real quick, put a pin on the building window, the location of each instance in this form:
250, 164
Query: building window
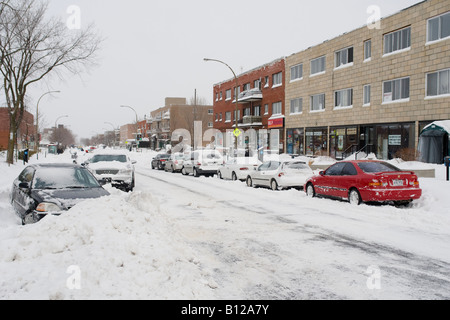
266, 109
297, 72
318, 102
367, 50
220, 117
276, 108
228, 95
221, 96
210, 125
257, 111
266, 82
439, 27
343, 57
247, 87
277, 79
217, 96
257, 84
247, 112
227, 116
397, 40
318, 65
217, 117
396, 90
438, 83
210, 111
343, 98
297, 105
366, 95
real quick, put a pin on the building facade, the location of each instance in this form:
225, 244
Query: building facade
260, 106
371, 89
25, 134
167, 124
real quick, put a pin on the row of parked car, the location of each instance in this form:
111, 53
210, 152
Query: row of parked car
354, 181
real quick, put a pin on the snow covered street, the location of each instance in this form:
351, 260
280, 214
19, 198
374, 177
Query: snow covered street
180, 237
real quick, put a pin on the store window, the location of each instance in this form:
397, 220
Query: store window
316, 142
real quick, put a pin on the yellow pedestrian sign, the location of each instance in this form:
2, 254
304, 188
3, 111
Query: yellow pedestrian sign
237, 132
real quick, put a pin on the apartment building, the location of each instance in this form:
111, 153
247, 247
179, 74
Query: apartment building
177, 119
371, 89
25, 134
260, 95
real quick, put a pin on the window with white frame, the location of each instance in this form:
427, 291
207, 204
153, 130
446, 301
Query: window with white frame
343, 57
221, 96
266, 81
366, 95
266, 109
220, 117
397, 40
210, 125
247, 111
318, 102
257, 84
439, 27
228, 95
246, 86
296, 105
297, 72
257, 111
227, 116
438, 83
210, 111
276, 108
318, 65
277, 79
343, 98
367, 49
396, 90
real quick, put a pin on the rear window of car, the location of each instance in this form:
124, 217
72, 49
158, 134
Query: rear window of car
375, 167
296, 166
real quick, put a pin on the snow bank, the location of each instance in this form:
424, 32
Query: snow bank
123, 246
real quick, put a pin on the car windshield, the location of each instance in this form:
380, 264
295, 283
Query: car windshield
62, 178
108, 158
374, 167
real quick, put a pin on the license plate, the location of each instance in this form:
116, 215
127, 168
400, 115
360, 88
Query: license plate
397, 183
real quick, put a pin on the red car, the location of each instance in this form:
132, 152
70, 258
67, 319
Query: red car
365, 181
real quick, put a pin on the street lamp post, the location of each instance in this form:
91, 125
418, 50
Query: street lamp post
37, 140
137, 143
236, 93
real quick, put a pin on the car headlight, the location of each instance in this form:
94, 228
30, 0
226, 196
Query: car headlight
48, 207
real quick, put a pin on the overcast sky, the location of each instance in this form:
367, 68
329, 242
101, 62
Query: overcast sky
155, 49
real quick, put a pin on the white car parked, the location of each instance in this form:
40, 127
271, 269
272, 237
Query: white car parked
238, 168
280, 175
113, 167
175, 162
202, 162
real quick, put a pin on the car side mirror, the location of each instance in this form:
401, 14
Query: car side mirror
24, 185
322, 173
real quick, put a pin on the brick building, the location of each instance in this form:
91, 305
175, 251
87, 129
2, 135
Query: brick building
25, 135
371, 89
177, 118
261, 105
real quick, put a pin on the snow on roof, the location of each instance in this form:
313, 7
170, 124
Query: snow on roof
444, 124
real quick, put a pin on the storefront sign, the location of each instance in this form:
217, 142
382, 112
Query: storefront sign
276, 123
395, 140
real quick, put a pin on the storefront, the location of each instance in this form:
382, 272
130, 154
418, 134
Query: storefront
316, 141
343, 141
295, 139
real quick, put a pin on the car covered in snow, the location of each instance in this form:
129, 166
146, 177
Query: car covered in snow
202, 162
51, 189
174, 163
113, 167
238, 168
280, 175
365, 181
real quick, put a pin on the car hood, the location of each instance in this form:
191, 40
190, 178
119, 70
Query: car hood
67, 198
109, 165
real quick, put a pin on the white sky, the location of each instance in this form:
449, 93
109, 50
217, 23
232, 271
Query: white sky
155, 49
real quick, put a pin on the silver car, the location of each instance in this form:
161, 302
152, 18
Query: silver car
175, 163
202, 162
280, 175
238, 168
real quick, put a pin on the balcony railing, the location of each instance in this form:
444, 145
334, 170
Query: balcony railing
251, 121
250, 95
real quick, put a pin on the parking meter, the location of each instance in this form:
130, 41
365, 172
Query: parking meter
447, 165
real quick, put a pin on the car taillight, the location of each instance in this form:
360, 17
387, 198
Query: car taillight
244, 168
199, 164
176, 162
280, 174
375, 183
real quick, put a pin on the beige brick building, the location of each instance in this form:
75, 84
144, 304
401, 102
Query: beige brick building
371, 89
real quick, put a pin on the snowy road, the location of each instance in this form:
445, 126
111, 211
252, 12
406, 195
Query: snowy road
261, 244
180, 237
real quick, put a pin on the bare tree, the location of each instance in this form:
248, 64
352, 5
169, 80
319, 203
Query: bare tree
33, 48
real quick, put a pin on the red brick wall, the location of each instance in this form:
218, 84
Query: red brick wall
270, 95
28, 118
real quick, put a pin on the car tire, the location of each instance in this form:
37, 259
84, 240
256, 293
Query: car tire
183, 171
249, 182
310, 191
274, 185
219, 175
233, 176
354, 197
196, 174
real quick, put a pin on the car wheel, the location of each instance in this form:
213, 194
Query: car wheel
274, 185
233, 176
219, 175
354, 197
172, 169
196, 173
183, 171
249, 182
310, 192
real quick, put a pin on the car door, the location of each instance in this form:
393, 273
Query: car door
21, 196
258, 174
329, 183
227, 168
346, 180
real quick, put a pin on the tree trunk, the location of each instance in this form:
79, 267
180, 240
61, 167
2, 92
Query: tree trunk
11, 141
